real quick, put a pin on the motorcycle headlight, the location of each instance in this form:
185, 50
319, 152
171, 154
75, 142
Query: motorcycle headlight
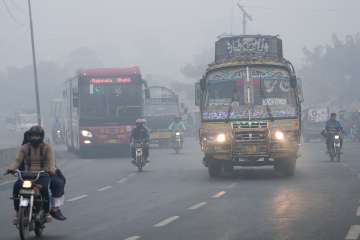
86, 133
177, 134
27, 184
337, 137
221, 138
279, 135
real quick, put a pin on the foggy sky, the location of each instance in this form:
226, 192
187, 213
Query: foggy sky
162, 35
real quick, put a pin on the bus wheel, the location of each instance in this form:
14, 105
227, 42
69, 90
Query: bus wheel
286, 166
214, 167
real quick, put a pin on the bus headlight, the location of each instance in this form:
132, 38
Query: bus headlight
86, 133
27, 184
279, 135
221, 138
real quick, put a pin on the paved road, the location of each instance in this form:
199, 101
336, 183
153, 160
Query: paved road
175, 199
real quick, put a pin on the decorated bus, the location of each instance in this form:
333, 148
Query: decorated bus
160, 110
250, 106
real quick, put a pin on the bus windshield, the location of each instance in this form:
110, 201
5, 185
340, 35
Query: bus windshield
110, 99
249, 93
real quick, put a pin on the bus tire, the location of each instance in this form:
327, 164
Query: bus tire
214, 167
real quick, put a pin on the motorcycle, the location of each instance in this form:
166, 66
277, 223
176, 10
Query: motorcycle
177, 142
335, 146
140, 160
58, 136
32, 216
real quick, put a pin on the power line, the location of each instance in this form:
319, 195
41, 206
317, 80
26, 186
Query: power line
11, 15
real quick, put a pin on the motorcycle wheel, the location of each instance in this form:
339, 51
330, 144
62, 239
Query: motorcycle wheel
139, 163
24, 223
39, 229
338, 155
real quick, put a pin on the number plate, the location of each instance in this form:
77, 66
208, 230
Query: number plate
26, 191
251, 149
113, 141
24, 202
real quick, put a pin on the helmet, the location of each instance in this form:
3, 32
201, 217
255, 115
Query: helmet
140, 121
36, 131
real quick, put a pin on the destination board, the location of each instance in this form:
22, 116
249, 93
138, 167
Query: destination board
248, 46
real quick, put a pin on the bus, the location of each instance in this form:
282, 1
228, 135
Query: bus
160, 111
250, 104
101, 107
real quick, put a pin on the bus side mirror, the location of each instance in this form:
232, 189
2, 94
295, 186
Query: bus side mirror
147, 93
202, 84
76, 102
293, 82
197, 94
75, 99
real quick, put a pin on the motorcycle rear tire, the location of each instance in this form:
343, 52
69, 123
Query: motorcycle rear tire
24, 223
39, 229
139, 163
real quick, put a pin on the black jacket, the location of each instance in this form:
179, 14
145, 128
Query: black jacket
140, 134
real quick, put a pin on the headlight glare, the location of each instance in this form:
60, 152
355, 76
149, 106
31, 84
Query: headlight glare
27, 184
86, 133
337, 137
279, 135
221, 138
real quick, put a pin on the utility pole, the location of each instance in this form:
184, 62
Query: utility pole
34, 66
246, 17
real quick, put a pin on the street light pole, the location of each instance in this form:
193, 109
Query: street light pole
34, 66
246, 17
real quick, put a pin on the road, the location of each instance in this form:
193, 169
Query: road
175, 199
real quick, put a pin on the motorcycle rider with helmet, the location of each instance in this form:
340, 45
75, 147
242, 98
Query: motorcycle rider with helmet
140, 134
35, 156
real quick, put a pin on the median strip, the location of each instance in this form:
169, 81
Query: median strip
166, 221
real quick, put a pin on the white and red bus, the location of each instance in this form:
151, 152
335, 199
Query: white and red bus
101, 106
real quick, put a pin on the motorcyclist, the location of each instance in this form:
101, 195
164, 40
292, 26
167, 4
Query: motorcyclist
140, 134
332, 126
177, 126
57, 185
36, 156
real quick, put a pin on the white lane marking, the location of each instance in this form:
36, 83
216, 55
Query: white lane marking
219, 194
354, 233
122, 180
104, 188
77, 198
167, 221
197, 206
132, 175
133, 238
358, 212
231, 186
7, 182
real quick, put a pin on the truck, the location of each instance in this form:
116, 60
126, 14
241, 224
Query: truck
250, 106
160, 110
101, 106
313, 123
